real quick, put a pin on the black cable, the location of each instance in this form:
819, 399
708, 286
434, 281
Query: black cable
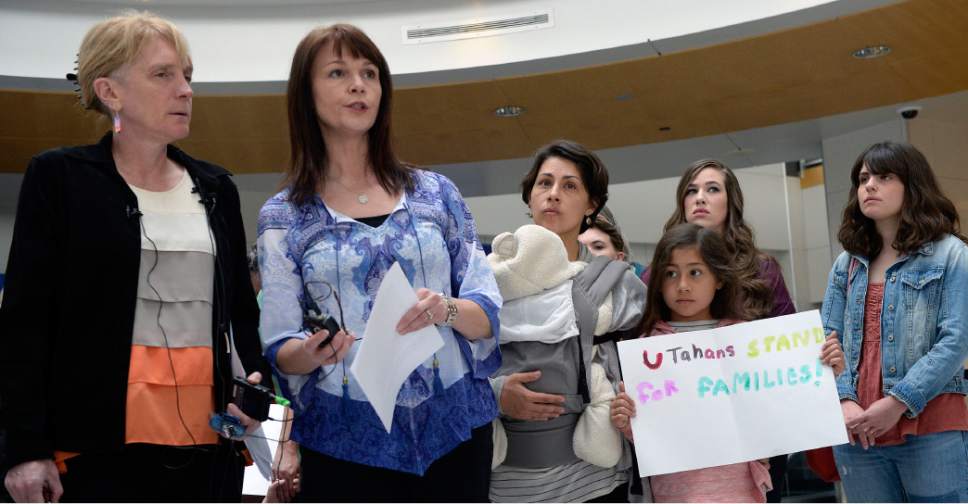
171, 362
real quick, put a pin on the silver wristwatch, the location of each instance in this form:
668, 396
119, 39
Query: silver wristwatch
451, 312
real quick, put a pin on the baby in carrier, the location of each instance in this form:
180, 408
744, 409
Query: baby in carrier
561, 318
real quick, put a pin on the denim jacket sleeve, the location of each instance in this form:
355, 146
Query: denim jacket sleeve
929, 374
832, 313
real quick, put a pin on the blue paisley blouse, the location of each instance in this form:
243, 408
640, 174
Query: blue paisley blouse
431, 233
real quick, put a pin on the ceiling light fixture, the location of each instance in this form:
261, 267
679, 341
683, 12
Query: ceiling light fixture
509, 111
871, 52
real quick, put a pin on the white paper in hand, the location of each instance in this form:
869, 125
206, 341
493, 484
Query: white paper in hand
386, 357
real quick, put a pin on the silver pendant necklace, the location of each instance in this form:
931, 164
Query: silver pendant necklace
361, 198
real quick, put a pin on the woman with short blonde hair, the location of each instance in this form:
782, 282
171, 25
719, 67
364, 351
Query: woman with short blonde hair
110, 372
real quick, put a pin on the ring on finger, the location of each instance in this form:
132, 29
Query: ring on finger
430, 316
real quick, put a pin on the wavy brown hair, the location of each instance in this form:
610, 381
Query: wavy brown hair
739, 238
308, 156
926, 213
715, 253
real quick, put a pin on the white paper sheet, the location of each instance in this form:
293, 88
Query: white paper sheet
386, 357
733, 394
255, 482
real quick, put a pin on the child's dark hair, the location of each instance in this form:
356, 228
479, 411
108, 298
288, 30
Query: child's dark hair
712, 248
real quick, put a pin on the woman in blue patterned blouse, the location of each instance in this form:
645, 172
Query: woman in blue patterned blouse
349, 211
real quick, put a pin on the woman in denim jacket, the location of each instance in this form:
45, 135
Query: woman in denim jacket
902, 311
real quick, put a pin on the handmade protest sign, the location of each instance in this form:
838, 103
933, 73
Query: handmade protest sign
733, 394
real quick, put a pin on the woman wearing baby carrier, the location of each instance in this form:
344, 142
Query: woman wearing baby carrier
563, 310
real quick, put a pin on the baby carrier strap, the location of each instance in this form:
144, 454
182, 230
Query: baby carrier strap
589, 290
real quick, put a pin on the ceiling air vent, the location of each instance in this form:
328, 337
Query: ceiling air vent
421, 34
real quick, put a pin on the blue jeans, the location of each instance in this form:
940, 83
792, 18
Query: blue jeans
931, 468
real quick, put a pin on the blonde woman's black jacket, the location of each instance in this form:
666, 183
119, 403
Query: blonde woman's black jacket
68, 310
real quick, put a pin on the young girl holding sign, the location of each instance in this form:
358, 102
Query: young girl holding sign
693, 288
897, 296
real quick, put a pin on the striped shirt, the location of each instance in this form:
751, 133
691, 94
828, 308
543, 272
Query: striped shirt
575, 482
170, 376
696, 325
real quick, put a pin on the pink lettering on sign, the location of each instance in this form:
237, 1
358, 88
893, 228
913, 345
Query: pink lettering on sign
648, 392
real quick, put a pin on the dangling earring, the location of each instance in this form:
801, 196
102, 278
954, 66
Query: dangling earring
529, 214
117, 122
588, 220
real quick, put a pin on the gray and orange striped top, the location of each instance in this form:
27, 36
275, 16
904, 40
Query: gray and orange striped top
170, 377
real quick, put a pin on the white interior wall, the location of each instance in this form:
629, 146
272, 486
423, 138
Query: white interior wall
941, 136
248, 42
795, 274
817, 246
839, 154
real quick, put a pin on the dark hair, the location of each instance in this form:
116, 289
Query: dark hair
611, 230
712, 247
926, 214
593, 173
739, 238
308, 155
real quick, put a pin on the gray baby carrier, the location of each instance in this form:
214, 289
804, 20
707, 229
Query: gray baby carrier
565, 370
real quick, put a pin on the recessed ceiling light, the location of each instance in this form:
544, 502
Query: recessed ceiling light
871, 52
509, 111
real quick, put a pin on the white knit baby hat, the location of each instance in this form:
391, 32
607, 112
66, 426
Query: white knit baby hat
530, 260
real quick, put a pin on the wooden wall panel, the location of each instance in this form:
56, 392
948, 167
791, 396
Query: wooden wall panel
782, 77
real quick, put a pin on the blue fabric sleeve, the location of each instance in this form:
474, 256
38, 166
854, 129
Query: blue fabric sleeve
471, 278
925, 379
832, 314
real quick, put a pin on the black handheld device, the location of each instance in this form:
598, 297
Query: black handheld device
253, 400
318, 323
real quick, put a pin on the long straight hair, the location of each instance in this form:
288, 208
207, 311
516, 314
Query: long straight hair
714, 252
738, 236
926, 214
308, 156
